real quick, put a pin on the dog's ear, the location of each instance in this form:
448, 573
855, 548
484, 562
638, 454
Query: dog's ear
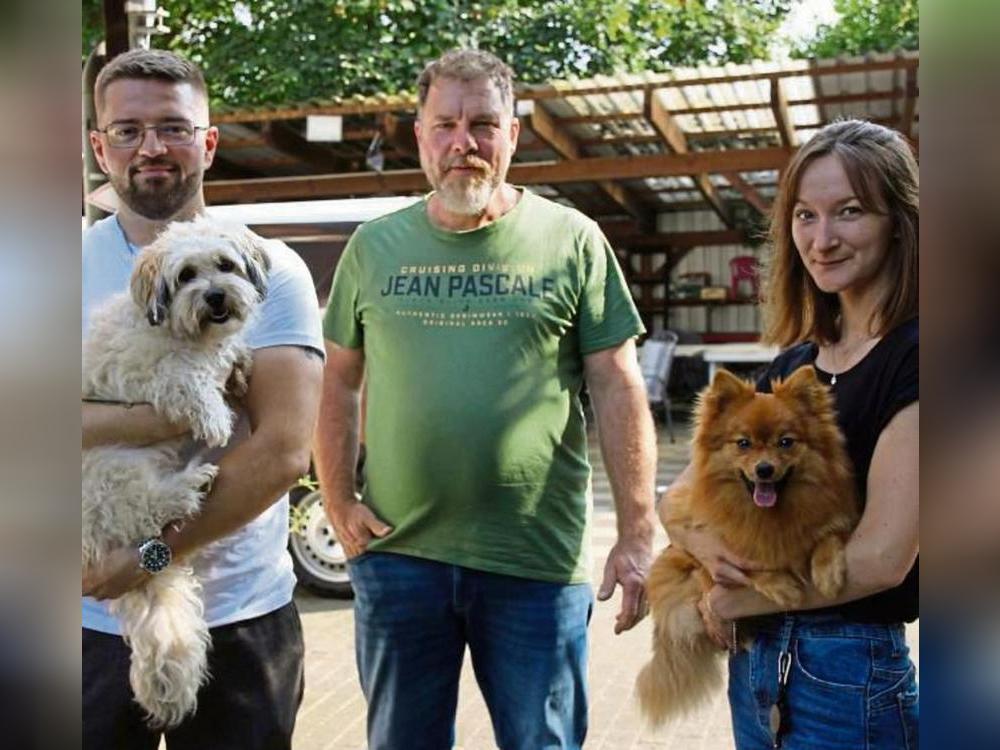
724, 390
804, 387
256, 262
149, 289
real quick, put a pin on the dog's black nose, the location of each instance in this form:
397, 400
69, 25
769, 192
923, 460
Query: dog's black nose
764, 470
215, 298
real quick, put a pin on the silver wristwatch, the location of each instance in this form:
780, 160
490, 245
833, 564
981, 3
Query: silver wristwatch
154, 555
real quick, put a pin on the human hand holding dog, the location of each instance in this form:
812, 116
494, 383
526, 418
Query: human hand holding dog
628, 565
724, 565
355, 525
718, 629
116, 574
130, 424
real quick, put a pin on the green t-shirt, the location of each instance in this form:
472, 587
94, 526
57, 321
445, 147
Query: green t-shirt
475, 434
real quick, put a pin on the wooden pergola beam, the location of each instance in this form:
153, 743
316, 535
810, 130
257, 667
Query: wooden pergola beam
708, 135
257, 140
909, 103
115, 28
535, 173
711, 194
661, 242
550, 131
664, 124
282, 138
779, 106
231, 170
363, 106
557, 90
864, 96
399, 133
749, 192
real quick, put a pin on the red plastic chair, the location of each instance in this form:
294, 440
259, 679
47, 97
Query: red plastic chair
743, 268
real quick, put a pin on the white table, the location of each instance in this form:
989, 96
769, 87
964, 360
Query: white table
718, 354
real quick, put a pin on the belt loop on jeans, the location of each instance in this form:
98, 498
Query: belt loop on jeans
897, 634
787, 627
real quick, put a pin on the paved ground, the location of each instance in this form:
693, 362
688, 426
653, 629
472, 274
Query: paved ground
333, 712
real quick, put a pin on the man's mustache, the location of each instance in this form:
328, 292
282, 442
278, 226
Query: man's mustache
156, 163
469, 162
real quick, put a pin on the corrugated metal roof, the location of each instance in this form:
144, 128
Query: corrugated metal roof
666, 214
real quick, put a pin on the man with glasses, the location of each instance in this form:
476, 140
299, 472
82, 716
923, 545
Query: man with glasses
154, 141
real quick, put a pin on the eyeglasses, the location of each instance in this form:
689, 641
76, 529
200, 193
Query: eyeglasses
131, 134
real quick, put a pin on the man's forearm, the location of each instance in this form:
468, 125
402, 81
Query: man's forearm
281, 404
628, 446
252, 476
106, 423
336, 443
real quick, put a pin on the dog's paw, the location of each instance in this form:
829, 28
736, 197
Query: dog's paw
214, 426
239, 377
183, 493
781, 588
829, 566
202, 477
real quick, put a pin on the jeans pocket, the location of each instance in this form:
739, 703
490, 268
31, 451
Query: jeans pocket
887, 684
834, 663
893, 717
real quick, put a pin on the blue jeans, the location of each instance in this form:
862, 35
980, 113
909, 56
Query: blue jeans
528, 642
851, 686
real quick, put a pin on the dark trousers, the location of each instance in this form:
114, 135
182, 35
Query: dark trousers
249, 703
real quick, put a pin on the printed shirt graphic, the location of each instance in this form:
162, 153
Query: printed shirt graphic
474, 345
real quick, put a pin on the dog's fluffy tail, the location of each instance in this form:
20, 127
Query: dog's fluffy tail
680, 677
164, 624
684, 671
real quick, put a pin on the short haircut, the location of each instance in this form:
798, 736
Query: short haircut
883, 174
468, 65
150, 65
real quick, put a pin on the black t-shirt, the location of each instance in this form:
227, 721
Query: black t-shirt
867, 397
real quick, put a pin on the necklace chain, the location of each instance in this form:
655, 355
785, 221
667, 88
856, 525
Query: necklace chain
835, 359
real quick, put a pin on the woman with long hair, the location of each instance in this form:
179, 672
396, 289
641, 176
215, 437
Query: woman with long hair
841, 294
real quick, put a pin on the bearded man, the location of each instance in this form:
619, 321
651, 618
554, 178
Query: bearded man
154, 141
476, 316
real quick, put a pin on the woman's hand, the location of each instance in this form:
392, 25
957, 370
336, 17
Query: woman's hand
719, 630
724, 565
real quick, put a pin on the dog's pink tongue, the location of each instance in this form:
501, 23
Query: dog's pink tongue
764, 494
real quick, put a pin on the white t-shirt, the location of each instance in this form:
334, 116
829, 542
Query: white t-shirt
249, 572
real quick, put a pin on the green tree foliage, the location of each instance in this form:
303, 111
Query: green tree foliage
866, 26
259, 52
93, 25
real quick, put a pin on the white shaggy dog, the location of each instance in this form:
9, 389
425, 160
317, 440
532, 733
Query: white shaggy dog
174, 341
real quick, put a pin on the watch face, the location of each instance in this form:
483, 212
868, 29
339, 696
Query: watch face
154, 555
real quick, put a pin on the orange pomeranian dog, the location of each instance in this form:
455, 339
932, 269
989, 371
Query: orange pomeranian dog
771, 477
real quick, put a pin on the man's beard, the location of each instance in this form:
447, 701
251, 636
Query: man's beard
468, 195
158, 199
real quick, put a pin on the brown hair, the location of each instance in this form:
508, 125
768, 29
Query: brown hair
151, 65
468, 65
883, 174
